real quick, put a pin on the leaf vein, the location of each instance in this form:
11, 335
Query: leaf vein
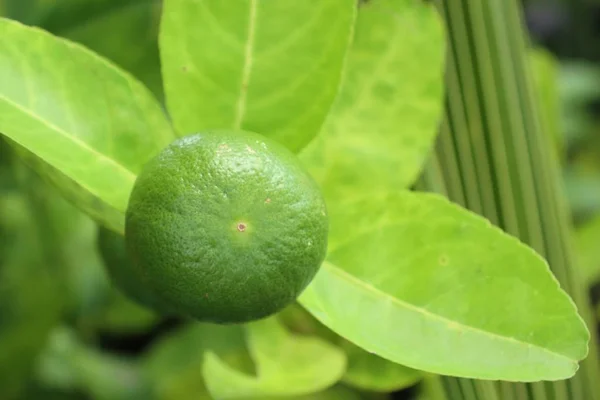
76, 140
428, 314
247, 68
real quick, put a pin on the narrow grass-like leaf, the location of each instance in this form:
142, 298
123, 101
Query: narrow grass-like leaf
286, 365
588, 251
90, 126
427, 284
271, 67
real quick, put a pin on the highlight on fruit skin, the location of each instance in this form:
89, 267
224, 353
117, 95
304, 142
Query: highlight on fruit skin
226, 226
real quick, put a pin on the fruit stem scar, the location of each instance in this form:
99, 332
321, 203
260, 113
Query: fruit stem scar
241, 227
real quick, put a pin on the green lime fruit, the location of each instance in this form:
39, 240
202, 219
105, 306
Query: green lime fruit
226, 227
122, 273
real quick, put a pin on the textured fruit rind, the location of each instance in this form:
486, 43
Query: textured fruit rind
226, 227
122, 273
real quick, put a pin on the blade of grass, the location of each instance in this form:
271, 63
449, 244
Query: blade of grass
494, 159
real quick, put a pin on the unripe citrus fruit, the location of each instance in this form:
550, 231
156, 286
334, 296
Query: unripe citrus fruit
122, 273
226, 227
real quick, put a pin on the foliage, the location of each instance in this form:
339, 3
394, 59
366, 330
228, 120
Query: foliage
413, 283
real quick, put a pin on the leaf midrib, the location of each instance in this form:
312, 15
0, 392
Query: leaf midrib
371, 289
127, 172
247, 68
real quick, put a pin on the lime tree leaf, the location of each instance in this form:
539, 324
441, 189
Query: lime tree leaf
174, 363
364, 370
124, 31
286, 365
424, 283
271, 67
88, 127
384, 121
370, 372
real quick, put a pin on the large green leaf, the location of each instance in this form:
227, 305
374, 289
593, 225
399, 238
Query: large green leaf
272, 67
88, 127
427, 284
286, 365
386, 116
124, 31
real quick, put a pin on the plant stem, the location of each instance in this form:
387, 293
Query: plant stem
493, 158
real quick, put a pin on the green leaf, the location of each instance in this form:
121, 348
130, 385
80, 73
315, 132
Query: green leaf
8, 182
335, 393
31, 298
124, 31
271, 67
386, 116
69, 364
578, 84
124, 316
364, 370
588, 251
174, 364
90, 126
431, 388
70, 236
22, 10
424, 283
370, 372
286, 365
546, 77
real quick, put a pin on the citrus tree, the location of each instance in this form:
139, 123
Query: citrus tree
262, 174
